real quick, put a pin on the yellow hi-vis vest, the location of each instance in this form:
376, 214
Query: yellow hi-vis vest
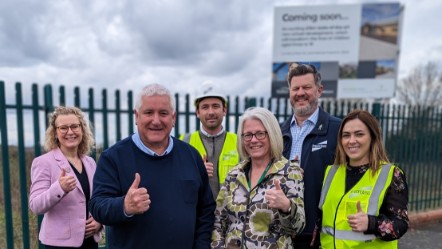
228, 158
336, 205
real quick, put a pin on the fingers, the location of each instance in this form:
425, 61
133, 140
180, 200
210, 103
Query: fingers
89, 230
136, 182
358, 221
67, 182
277, 185
137, 200
358, 206
209, 168
276, 198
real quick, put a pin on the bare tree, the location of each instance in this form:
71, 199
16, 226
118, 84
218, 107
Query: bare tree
422, 87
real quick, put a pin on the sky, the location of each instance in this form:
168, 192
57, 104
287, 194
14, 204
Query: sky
126, 44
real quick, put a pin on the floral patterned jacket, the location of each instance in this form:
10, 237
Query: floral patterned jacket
242, 217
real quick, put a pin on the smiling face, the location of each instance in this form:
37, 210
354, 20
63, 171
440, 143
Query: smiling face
70, 140
155, 120
256, 149
211, 112
356, 141
304, 94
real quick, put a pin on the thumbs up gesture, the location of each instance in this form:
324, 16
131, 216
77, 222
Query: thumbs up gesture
67, 182
276, 198
137, 200
359, 221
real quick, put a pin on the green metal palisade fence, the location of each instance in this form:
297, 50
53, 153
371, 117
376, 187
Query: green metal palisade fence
412, 137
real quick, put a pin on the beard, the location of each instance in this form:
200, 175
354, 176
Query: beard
306, 110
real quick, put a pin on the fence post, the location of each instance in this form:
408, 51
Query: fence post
48, 104
22, 166
37, 145
6, 180
105, 120
376, 110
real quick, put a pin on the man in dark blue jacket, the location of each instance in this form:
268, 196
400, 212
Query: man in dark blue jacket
310, 136
150, 189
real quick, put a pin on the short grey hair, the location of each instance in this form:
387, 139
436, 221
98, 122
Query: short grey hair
154, 90
271, 125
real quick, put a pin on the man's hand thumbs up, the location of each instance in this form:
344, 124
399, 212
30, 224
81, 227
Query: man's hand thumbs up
137, 200
136, 182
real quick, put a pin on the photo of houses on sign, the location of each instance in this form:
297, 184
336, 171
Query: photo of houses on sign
356, 47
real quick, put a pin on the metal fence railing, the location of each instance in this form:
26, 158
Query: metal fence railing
412, 136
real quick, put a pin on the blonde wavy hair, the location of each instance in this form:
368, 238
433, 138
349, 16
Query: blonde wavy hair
87, 141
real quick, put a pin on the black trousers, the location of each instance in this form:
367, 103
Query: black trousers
304, 242
88, 243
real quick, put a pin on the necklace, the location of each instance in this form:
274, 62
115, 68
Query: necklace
263, 175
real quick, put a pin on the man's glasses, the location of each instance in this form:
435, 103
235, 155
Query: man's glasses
260, 135
65, 128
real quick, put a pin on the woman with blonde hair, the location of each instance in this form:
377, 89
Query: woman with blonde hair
61, 183
260, 204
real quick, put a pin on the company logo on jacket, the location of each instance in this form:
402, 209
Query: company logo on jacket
358, 192
319, 146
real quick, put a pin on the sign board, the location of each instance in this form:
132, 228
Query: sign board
355, 47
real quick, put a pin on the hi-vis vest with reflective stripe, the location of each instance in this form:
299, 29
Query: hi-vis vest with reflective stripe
228, 158
336, 205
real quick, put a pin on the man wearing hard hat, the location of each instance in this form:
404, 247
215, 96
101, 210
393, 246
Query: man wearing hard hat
216, 145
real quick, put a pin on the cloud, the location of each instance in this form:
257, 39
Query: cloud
127, 44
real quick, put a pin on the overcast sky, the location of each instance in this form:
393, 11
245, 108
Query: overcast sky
122, 44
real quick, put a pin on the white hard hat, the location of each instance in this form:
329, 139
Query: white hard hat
209, 89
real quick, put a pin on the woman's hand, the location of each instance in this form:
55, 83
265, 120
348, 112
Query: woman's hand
92, 227
358, 221
276, 198
67, 182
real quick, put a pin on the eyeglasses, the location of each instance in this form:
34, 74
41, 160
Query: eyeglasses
65, 128
260, 135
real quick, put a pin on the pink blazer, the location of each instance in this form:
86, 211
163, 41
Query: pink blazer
64, 214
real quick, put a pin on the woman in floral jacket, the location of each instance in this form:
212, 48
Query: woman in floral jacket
260, 204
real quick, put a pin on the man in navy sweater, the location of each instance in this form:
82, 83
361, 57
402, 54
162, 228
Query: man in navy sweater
150, 189
310, 136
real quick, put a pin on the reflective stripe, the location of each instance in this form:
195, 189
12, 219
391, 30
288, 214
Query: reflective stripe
348, 235
378, 187
328, 230
327, 184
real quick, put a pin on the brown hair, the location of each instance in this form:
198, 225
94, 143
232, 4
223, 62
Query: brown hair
377, 153
296, 69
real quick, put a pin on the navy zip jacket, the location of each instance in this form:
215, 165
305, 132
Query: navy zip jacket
318, 151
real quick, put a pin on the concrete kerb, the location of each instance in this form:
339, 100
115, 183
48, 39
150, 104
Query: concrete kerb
422, 218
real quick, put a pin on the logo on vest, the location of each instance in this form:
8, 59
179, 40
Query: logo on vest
358, 192
319, 146
230, 155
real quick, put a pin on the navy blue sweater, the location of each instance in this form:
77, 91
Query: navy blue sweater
181, 213
318, 151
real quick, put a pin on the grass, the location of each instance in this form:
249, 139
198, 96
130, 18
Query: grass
14, 175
